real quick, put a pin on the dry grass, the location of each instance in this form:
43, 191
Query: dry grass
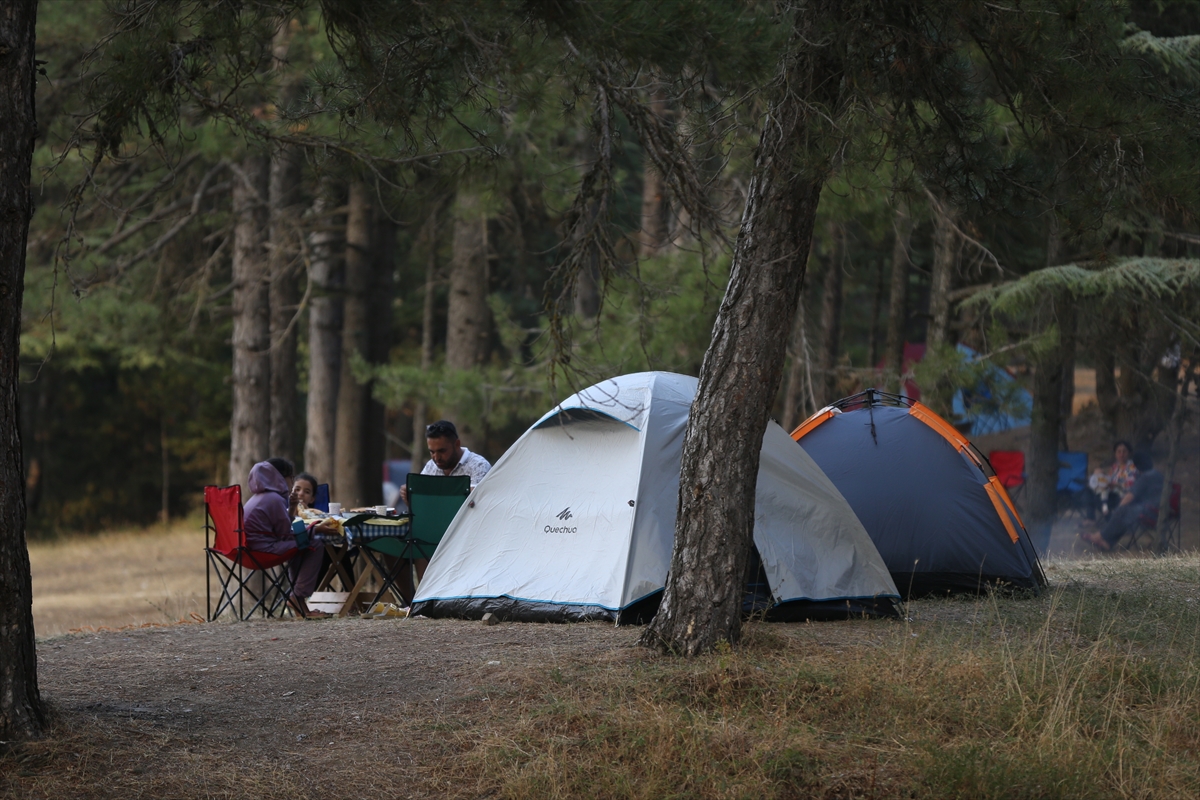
1089, 691
1085, 693
118, 579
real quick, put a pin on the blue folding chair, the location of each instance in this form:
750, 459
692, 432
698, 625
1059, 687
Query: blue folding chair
1072, 481
321, 501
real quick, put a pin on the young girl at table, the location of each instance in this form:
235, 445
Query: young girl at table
268, 527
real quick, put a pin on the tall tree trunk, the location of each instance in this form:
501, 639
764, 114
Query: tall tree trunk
740, 376
1068, 324
655, 232
419, 415
324, 336
283, 235
831, 318
876, 310
284, 216
794, 406
468, 324
1174, 437
1042, 470
21, 714
893, 366
941, 279
379, 344
348, 469
1106, 384
251, 425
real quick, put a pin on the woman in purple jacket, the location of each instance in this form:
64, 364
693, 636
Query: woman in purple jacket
268, 529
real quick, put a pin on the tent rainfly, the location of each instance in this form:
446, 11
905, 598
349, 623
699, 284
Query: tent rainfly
929, 499
576, 521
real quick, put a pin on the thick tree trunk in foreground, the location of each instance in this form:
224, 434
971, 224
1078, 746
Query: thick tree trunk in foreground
740, 377
831, 320
893, 364
284, 236
348, 470
250, 428
324, 338
21, 713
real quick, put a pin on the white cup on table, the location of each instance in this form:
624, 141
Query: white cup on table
335, 509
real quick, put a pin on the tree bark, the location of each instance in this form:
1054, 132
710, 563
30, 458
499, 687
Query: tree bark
741, 372
1106, 384
1042, 469
876, 310
419, 415
655, 232
468, 324
831, 319
1068, 324
348, 471
795, 407
284, 232
1174, 437
251, 425
283, 235
21, 713
324, 338
379, 343
941, 279
898, 299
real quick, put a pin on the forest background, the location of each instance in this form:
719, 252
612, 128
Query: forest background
264, 268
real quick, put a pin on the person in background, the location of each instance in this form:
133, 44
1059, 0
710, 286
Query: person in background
448, 457
304, 490
1109, 486
268, 527
1145, 493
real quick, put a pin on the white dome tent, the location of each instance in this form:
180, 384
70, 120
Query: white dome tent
576, 520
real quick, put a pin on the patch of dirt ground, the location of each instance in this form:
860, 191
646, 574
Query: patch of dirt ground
333, 708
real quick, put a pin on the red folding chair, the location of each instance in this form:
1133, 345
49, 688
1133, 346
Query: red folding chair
1009, 466
237, 567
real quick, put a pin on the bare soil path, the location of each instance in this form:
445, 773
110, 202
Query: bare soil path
335, 708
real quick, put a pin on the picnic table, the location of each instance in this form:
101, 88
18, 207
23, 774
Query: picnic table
368, 537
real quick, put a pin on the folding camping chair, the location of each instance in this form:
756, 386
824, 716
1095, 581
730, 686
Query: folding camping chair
321, 498
235, 565
1148, 525
1072, 482
1009, 466
433, 501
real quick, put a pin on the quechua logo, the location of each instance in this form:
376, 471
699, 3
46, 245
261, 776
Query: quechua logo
563, 515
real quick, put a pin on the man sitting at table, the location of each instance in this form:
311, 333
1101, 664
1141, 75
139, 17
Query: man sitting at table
448, 457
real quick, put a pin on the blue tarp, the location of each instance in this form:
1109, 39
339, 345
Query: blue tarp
978, 408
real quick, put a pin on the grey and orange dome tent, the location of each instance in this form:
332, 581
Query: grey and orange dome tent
929, 500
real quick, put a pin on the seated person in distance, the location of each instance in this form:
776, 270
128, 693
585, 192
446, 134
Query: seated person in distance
1110, 485
1146, 493
448, 457
268, 527
304, 490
